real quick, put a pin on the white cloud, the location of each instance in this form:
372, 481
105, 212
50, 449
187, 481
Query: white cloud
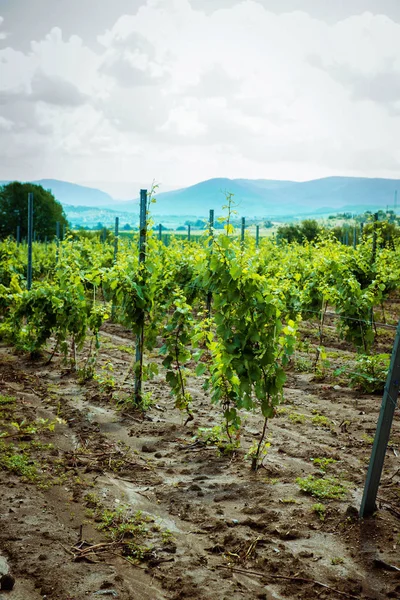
182, 95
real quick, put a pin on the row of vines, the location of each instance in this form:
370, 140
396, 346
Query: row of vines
218, 308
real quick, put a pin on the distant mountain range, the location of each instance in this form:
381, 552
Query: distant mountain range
254, 197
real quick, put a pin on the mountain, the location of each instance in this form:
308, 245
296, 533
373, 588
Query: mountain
264, 197
254, 197
71, 193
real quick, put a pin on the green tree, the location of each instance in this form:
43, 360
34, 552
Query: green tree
14, 210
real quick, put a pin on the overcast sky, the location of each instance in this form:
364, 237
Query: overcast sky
185, 90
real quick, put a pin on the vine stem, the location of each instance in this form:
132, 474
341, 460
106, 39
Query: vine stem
254, 462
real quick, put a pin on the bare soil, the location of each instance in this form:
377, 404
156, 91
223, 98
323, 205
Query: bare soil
216, 530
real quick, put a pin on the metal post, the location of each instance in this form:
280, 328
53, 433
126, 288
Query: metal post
374, 238
64, 231
140, 336
18, 235
242, 229
355, 237
160, 232
389, 401
211, 225
210, 241
188, 233
30, 232
116, 233
57, 240
257, 235
34, 236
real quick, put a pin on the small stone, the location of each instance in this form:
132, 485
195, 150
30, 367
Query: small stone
148, 448
7, 582
158, 455
195, 488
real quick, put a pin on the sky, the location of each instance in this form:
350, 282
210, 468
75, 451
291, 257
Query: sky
111, 93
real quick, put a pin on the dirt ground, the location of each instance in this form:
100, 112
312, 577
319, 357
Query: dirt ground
210, 528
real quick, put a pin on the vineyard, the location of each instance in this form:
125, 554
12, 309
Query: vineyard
195, 420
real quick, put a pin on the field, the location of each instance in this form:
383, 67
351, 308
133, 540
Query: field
171, 491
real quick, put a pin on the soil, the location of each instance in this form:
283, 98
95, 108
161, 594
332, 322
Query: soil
215, 529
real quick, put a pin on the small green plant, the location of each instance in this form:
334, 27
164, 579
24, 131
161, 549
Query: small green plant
320, 510
323, 488
323, 463
367, 439
321, 421
370, 373
256, 451
297, 417
303, 365
217, 436
337, 560
20, 464
4, 400
105, 378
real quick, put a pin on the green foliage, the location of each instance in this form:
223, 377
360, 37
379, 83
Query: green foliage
308, 230
320, 510
370, 373
14, 210
327, 487
227, 441
323, 463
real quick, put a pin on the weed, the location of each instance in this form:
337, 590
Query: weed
218, 437
7, 400
303, 365
328, 487
21, 465
255, 451
367, 439
320, 510
370, 373
297, 417
321, 421
337, 560
323, 463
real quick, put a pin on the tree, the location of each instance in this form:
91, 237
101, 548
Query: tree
14, 210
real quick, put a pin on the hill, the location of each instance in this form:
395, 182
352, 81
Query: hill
263, 197
72, 193
254, 197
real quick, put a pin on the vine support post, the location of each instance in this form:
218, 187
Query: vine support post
374, 238
30, 236
57, 240
140, 335
18, 235
257, 235
355, 237
116, 233
188, 233
160, 232
210, 241
243, 227
64, 231
381, 440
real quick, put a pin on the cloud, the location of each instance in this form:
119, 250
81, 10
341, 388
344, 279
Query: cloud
55, 90
181, 94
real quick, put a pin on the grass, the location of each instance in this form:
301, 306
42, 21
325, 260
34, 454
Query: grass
5, 400
322, 488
